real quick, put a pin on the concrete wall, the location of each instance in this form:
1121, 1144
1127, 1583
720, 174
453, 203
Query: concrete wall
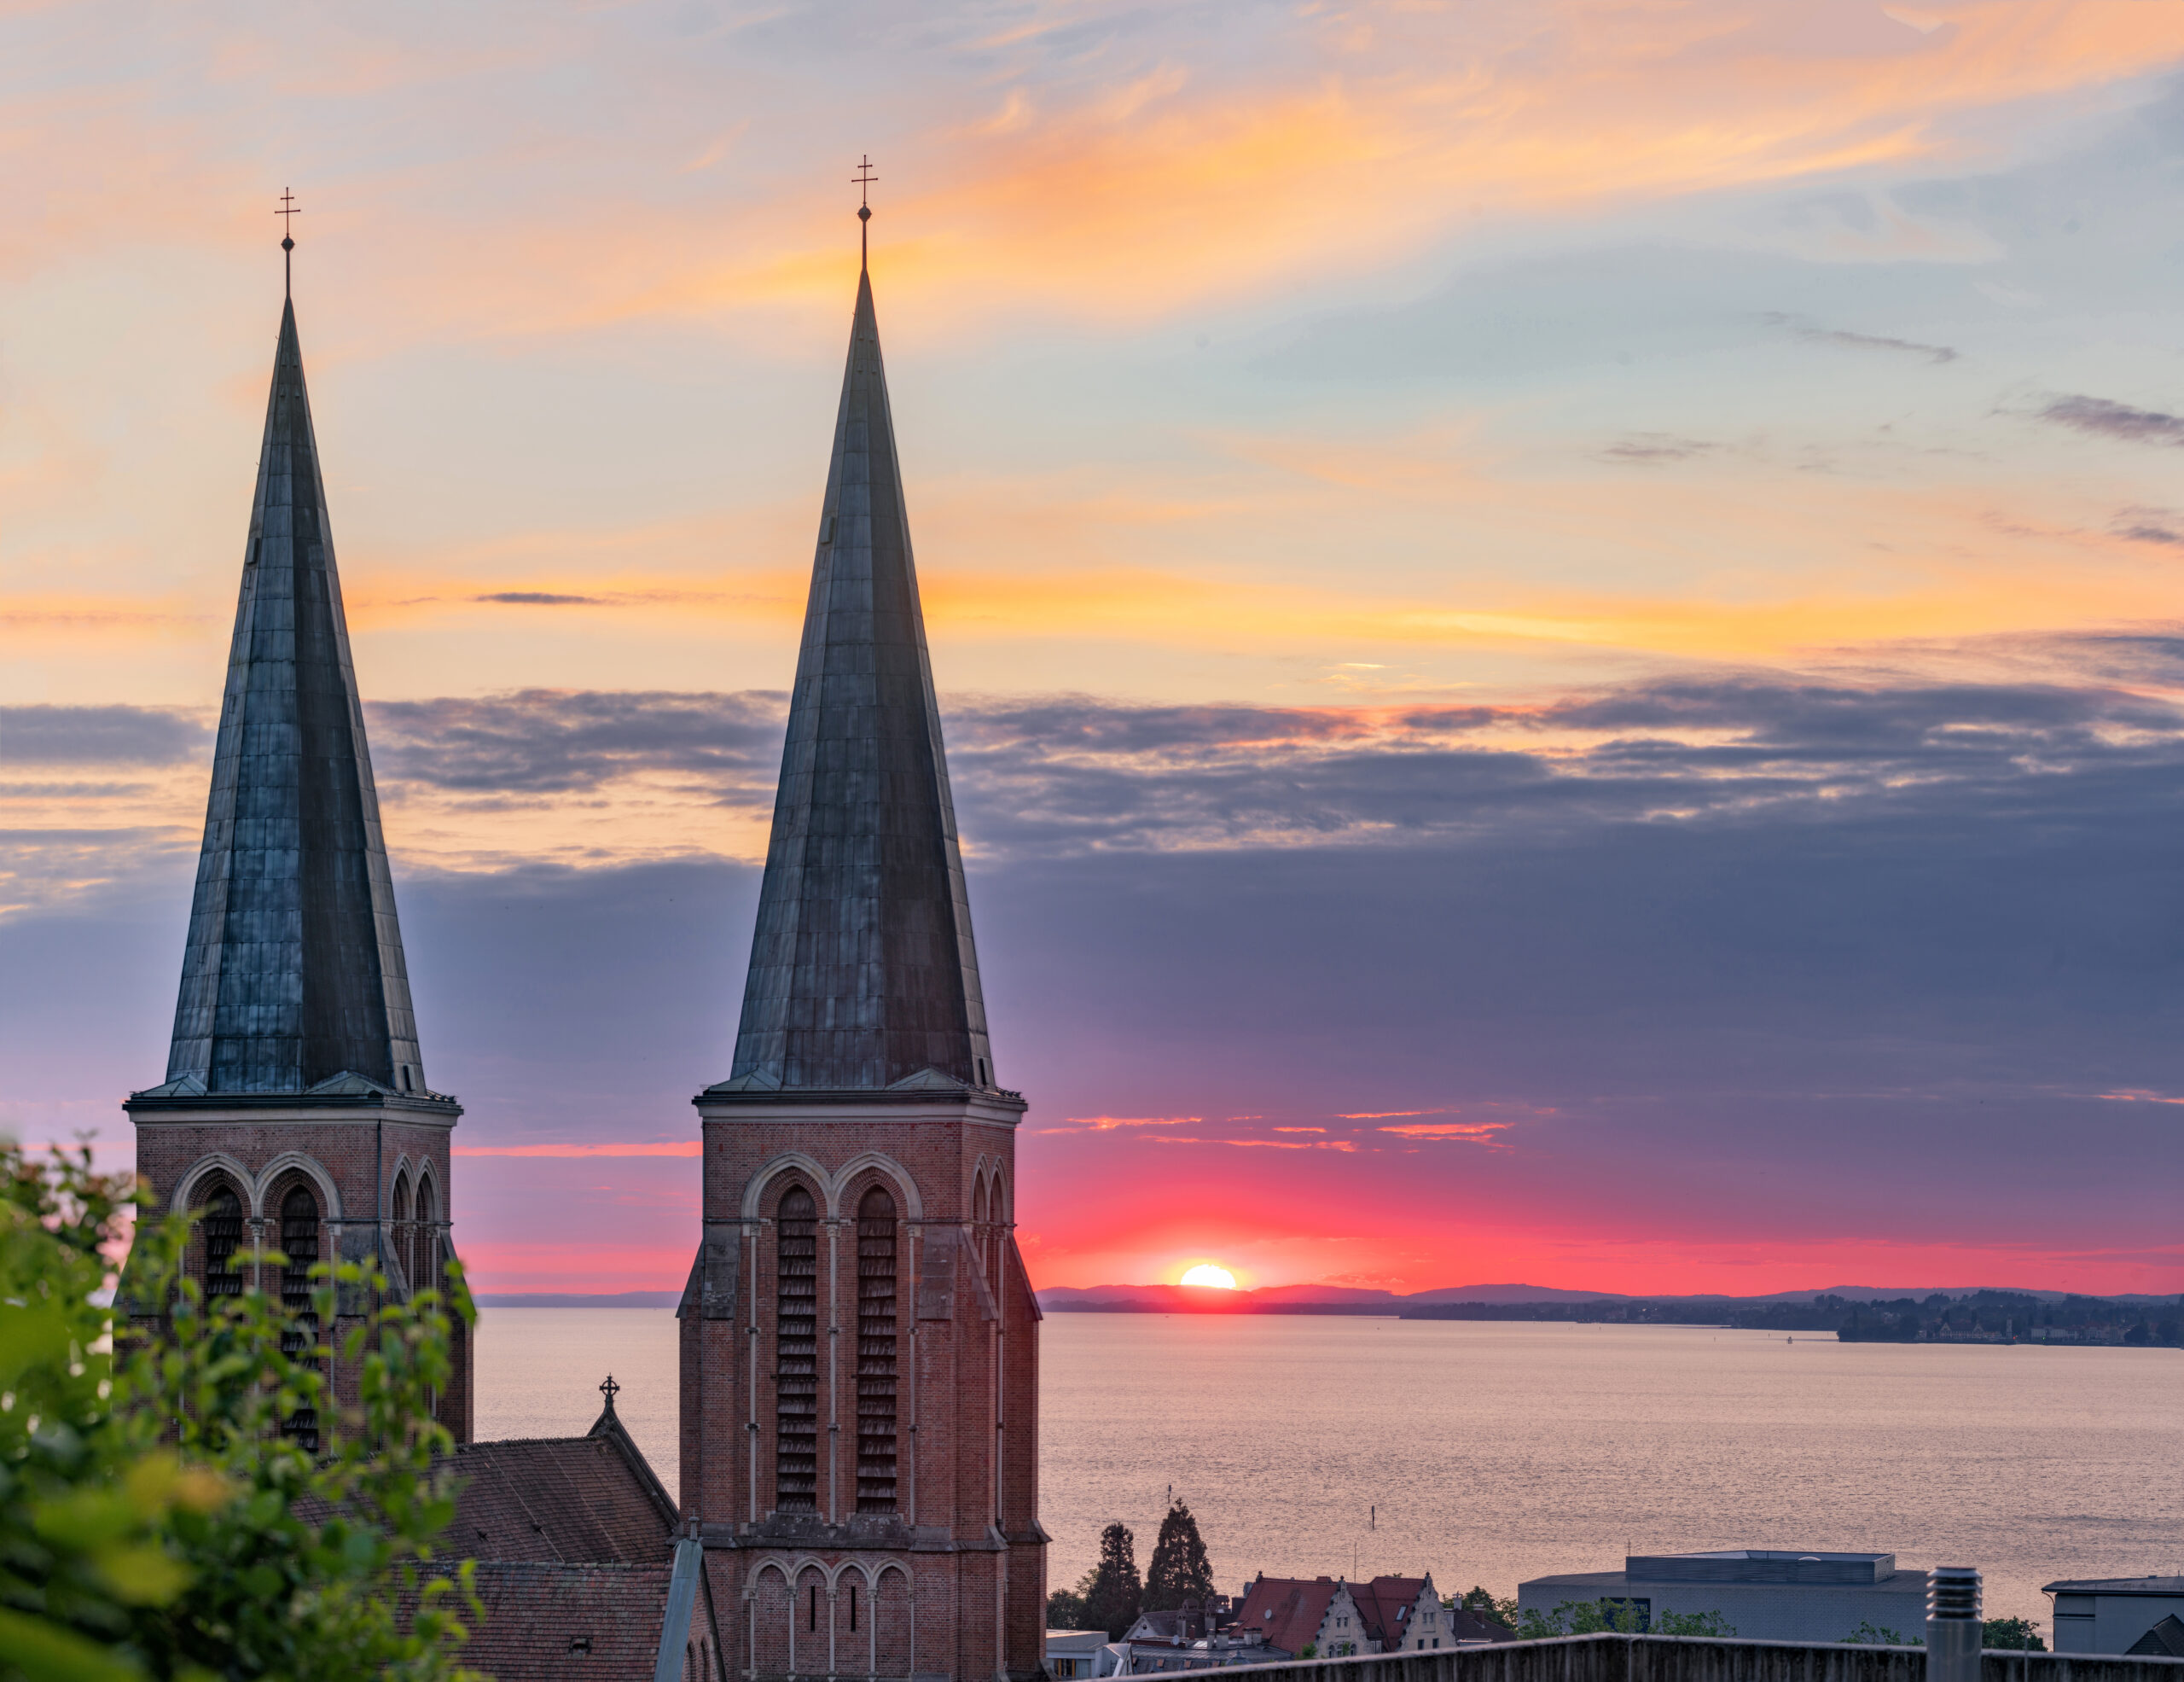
1660, 1658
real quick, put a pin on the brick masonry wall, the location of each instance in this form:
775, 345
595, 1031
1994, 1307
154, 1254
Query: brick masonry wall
967, 1391
349, 1160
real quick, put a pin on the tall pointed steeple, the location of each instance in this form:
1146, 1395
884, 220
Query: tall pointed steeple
293, 973
864, 974
860, 1166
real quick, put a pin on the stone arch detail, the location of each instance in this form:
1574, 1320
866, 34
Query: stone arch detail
893, 1651
811, 1621
909, 1205
770, 1603
187, 1188
329, 1196
849, 1654
761, 1190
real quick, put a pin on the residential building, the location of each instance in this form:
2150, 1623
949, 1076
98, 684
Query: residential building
1762, 1594
1405, 1615
2111, 1615
1338, 1619
1074, 1654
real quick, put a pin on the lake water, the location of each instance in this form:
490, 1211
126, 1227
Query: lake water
1499, 1452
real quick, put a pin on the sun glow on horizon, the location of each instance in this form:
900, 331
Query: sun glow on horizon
1212, 1277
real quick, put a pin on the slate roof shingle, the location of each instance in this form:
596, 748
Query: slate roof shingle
546, 1622
576, 1500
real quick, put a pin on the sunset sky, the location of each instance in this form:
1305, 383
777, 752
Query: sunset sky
1559, 623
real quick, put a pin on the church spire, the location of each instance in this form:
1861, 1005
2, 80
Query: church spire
863, 974
294, 974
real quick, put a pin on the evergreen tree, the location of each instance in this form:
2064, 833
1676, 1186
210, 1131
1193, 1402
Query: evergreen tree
1115, 1595
1179, 1572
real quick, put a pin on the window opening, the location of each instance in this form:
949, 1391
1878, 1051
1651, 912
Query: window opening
424, 1240
300, 1244
400, 1211
852, 1609
875, 1353
222, 1238
813, 1623
796, 1377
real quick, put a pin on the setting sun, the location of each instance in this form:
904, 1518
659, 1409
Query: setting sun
1215, 1279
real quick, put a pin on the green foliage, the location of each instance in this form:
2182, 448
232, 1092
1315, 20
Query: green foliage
2012, 1635
1693, 1623
1580, 1617
1595, 1617
1876, 1635
1115, 1596
1479, 1602
1066, 1607
1311, 1651
1179, 1571
153, 1521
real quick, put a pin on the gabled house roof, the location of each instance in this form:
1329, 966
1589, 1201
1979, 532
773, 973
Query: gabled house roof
1384, 1608
2165, 1640
1287, 1611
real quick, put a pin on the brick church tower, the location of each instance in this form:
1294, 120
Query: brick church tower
295, 1114
859, 1342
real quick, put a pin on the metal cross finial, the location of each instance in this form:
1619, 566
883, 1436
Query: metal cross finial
288, 209
610, 1389
862, 180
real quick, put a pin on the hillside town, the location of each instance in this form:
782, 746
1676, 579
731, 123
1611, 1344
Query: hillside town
1173, 1621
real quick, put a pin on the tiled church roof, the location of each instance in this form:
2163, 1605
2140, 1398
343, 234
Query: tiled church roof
544, 1622
573, 1539
577, 1499
863, 974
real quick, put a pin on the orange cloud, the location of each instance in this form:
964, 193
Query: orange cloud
1454, 1132
1101, 1124
1256, 1144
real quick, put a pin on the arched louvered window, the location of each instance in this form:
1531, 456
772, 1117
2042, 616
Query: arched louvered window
223, 1238
875, 1353
300, 1244
401, 1225
423, 1259
796, 1375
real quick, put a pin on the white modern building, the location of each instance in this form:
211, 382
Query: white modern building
1763, 1594
2112, 1614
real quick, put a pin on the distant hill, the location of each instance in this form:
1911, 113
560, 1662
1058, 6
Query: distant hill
1351, 1300
1513, 1293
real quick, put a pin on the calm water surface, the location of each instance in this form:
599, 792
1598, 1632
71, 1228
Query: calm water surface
1495, 1452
